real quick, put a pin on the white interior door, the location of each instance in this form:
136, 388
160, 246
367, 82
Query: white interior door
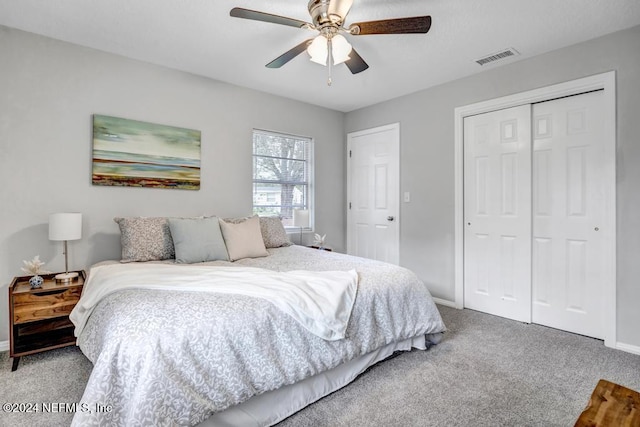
569, 214
497, 213
373, 193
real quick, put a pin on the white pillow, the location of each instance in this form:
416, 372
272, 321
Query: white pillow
243, 239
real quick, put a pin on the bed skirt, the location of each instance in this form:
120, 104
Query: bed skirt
274, 406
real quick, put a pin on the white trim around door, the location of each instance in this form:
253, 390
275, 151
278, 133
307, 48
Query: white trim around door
604, 81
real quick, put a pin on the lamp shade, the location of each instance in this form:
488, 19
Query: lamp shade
65, 226
341, 49
318, 50
301, 218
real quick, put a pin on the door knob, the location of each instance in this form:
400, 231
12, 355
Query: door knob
390, 218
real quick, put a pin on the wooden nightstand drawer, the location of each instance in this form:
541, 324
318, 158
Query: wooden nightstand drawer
40, 317
32, 306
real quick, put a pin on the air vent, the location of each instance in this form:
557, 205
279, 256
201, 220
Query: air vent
498, 56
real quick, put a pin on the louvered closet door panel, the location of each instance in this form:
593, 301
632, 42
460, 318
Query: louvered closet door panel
568, 213
497, 200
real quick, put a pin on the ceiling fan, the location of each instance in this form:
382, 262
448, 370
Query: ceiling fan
330, 47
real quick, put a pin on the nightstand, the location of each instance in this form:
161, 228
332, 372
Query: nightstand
318, 247
39, 318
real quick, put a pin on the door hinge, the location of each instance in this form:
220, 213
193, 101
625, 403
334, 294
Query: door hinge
349, 205
349, 153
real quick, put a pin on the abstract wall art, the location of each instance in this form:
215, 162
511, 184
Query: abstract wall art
140, 154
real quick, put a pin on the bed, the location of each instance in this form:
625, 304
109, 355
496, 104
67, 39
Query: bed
181, 355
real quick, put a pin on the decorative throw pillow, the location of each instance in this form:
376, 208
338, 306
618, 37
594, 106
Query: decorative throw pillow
243, 239
197, 240
145, 239
236, 220
273, 232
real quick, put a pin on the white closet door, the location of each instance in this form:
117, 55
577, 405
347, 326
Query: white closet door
568, 214
497, 200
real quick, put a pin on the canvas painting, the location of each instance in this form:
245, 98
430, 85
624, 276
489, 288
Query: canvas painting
139, 154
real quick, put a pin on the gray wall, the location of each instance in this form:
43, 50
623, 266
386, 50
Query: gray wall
50, 89
427, 158
48, 93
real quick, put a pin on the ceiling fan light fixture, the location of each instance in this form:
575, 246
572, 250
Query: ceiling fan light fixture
331, 48
318, 50
340, 49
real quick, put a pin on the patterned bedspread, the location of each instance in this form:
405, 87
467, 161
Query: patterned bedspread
173, 358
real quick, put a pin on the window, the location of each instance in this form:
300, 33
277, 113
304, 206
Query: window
282, 171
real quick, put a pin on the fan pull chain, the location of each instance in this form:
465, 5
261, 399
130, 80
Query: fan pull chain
329, 59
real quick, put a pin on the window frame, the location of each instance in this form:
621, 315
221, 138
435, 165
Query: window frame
310, 178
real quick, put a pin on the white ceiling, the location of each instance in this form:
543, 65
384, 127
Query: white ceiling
199, 36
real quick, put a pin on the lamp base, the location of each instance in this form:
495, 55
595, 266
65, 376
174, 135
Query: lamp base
66, 277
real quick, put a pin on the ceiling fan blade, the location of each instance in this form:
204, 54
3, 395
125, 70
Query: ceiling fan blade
355, 63
417, 24
238, 12
340, 8
289, 55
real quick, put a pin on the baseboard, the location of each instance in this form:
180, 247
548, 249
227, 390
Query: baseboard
444, 302
628, 348
4, 346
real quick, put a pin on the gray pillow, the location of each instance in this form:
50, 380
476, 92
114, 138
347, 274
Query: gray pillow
197, 240
145, 239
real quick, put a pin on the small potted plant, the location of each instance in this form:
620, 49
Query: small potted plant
34, 267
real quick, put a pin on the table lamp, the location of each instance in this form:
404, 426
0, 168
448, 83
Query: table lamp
301, 220
65, 226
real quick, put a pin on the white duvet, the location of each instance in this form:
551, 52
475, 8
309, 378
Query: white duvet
320, 301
